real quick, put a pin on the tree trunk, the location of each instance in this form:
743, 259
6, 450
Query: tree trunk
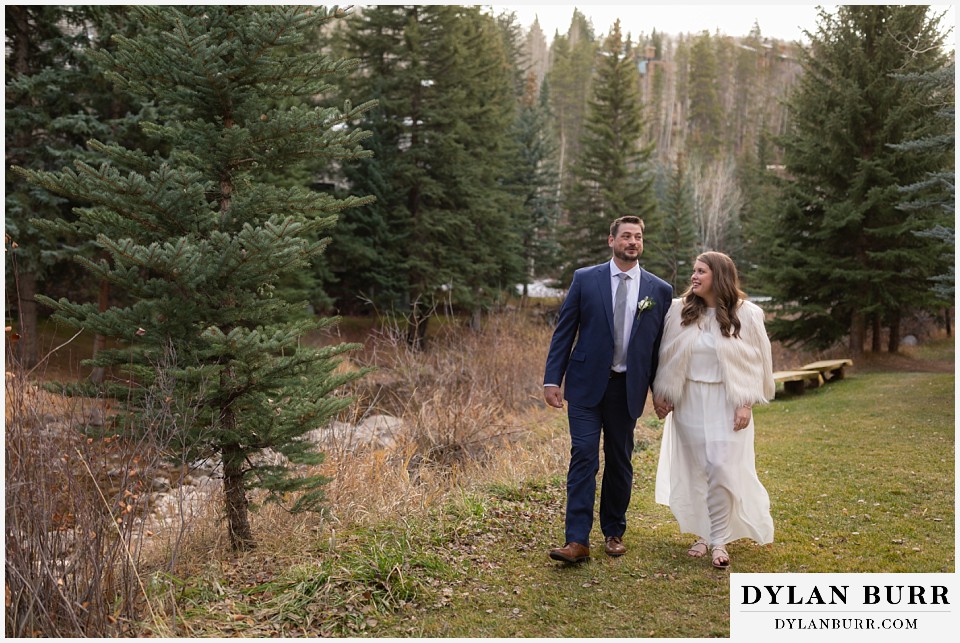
893, 342
28, 345
234, 494
876, 345
99, 341
946, 321
476, 320
417, 330
19, 38
857, 334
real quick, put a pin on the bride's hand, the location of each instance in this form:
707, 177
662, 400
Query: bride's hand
741, 417
662, 407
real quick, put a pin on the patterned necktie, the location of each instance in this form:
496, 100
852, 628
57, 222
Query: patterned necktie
619, 313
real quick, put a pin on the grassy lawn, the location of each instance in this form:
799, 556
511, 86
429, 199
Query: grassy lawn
861, 478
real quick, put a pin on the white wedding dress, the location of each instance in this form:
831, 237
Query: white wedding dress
707, 472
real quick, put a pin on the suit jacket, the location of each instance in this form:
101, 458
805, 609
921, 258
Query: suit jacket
581, 351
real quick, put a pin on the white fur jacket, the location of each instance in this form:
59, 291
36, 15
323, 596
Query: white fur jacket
745, 362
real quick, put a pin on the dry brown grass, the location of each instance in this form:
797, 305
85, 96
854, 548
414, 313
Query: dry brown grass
472, 413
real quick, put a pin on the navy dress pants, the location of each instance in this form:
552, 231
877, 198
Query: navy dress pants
610, 420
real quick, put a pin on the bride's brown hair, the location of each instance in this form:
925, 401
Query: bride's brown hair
726, 286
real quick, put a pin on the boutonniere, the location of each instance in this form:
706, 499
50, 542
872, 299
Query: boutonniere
645, 304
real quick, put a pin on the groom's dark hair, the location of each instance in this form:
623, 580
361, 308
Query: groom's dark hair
615, 226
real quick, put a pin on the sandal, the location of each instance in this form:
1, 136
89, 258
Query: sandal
698, 549
721, 559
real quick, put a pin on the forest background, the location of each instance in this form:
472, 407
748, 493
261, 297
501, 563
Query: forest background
241, 174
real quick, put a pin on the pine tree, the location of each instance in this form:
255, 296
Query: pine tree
533, 175
672, 237
705, 117
36, 49
846, 252
537, 180
442, 154
515, 51
54, 102
198, 240
613, 176
762, 193
109, 115
935, 195
366, 258
570, 76
751, 96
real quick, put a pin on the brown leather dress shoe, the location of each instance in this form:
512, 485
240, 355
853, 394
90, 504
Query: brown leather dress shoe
571, 553
614, 546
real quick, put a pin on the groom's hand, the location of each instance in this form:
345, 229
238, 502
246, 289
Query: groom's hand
553, 397
662, 407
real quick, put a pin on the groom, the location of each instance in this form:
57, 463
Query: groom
606, 344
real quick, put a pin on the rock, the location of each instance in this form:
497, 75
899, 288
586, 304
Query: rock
56, 429
377, 431
270, 457
910, 340
94, 417
160, 483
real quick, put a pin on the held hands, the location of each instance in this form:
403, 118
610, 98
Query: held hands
662, 407
741, 417
553, 397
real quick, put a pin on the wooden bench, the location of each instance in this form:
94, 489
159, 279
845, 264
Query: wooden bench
831, 369
795, 382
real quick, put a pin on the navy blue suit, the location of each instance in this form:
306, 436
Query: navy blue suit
580, 357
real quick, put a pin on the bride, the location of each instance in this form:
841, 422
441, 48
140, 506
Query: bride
715, 364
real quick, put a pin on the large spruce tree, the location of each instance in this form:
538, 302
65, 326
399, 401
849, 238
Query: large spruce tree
935, 194
672, 234
846, 253
613, 174
534, 175
537, 180
705, 119
55, 101
199, 240
37, 48
444, 227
